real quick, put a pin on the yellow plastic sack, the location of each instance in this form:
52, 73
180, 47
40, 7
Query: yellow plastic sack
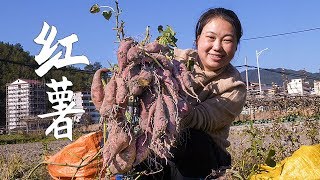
304, 164
85, 148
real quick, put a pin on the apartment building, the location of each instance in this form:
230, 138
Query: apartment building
24, 98
298, 87
83, 101
316, 87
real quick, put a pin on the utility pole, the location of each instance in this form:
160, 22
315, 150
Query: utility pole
285, 81
247, 79
257, 55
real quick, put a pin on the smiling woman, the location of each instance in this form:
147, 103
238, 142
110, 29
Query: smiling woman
217, 37
221, 94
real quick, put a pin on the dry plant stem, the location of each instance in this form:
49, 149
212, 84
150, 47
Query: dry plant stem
147, 38
82, 160
120, 27
155, 60
66, 164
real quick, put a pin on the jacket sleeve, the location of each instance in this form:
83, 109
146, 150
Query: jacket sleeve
216, 112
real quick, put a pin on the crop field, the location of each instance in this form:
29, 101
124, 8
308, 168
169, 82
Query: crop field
283, 131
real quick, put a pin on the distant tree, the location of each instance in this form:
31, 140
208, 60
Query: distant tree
93, 67
10, 58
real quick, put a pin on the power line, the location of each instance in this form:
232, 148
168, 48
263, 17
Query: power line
32, 66
282, 34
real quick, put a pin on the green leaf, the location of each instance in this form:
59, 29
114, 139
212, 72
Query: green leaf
107, 14
170, 31
269, 161
271, 153
95, 9
167, 36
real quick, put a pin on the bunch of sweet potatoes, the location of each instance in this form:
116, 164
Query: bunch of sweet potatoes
157, 83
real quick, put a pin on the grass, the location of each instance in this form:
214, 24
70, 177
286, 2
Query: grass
14, 167
270, 144
31, 137
23, 138
257, 144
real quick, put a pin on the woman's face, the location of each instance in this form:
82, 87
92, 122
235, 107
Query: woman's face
216, 44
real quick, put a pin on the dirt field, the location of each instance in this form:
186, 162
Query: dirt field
290, 135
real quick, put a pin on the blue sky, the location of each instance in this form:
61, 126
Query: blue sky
21, 22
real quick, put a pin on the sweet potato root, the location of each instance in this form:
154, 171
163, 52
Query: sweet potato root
160, 121
109, 100
135, 88
117, 140
124, 46
142, 147
97, 93
172, 126
122, 91
134, 54
123, 161
158, 83
155, 47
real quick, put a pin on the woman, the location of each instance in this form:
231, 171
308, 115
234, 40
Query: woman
222, 93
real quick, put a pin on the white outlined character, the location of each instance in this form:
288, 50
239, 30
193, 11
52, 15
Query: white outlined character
43, 58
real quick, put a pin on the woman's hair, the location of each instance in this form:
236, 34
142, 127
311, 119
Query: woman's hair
223, 13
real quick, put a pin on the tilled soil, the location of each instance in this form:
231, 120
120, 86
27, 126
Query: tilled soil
32, 152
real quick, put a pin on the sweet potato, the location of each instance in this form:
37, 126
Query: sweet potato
161, 146
172, 111
117, 141
145, 77
188, 81
97, 93
163, 60
146, 125
142, 146
123, 161
155, 47
109, 97
122, 91
185, 79
135, 88
183, 107
124, 46
138, 83
146, 59
171, 84
144, 113
160, 121
134, 54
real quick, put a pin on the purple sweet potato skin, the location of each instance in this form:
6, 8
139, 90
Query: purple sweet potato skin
124, 160
97, 92
123, 49
109, 100
142, 104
